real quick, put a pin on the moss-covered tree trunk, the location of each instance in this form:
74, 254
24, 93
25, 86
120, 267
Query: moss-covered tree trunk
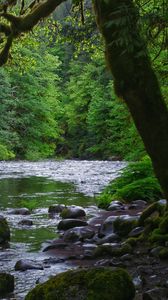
135, 80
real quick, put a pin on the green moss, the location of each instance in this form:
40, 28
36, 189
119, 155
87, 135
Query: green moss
153, 208
158, 237
6, 283
86, 284
163, 226
163, 254
132, 241
123, 227
4, 231
108, 250
65, 213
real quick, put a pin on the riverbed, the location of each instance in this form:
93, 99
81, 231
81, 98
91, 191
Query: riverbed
37, 185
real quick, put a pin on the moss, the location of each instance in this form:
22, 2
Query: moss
6, 283
153, 208
108, 250
123, 227
4, 231
86, 284
163, 254
163, 226
132, 241
158, 237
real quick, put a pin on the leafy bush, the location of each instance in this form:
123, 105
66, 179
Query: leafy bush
136, 182
5, 154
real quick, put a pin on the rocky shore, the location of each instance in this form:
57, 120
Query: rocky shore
111, 238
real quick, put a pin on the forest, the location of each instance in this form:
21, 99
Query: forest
86, 81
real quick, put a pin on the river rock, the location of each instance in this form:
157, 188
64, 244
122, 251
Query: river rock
20, 211
26, 264
6, 283
111, 238
4, 231
116, 206
56, 245
136, 231
162, 201
70, 223
85, 284
122, 225
71, 212
107, 227
157, 293
137, 204
26, 222
54, 209
78, 234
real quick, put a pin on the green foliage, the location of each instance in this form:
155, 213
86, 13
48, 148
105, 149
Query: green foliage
136, 182
5, 154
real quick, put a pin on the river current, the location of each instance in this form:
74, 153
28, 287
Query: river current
37, 185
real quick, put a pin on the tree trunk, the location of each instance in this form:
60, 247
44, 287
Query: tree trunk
135, 80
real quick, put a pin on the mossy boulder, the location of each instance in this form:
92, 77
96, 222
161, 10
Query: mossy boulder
4, 231
6, 283
124, 224
86, 284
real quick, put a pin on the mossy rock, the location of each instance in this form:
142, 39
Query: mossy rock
86, 284
110, 250
4, 231
163, 226
163, 254
158, 237
149, 211
6, 283
123, 227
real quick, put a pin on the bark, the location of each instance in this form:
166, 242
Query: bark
135, 80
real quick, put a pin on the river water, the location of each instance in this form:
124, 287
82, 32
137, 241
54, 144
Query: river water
37, 185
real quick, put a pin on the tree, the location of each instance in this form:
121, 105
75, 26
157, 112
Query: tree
128, 61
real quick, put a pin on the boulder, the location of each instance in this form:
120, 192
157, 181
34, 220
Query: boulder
55, 209
26, 264
111, 238
86, 284
6, 283
122, 225
107, 226
78, 234
20, 211
71, 212
70, 223
4, 231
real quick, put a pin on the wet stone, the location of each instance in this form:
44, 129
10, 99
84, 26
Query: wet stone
26, 264
111, 238
136, 231
78, 234
4, 231
56, 245
70, 223
54, 209
20, 211
26, 222
157, 293
71, 212
115, 207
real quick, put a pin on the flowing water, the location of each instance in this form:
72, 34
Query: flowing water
37, 185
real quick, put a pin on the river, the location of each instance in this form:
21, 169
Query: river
37, 185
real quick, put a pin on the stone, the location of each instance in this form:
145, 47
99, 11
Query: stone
20, 211
86, 284
26, 222
70, 223
4, 231
140, 203
111, 238
136, 231
157, 293
73, 211
54, 209
6, 283
26, 264
107, 226
156, 251
56, 245
122, 225
78, 234
162, 201
115, 207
